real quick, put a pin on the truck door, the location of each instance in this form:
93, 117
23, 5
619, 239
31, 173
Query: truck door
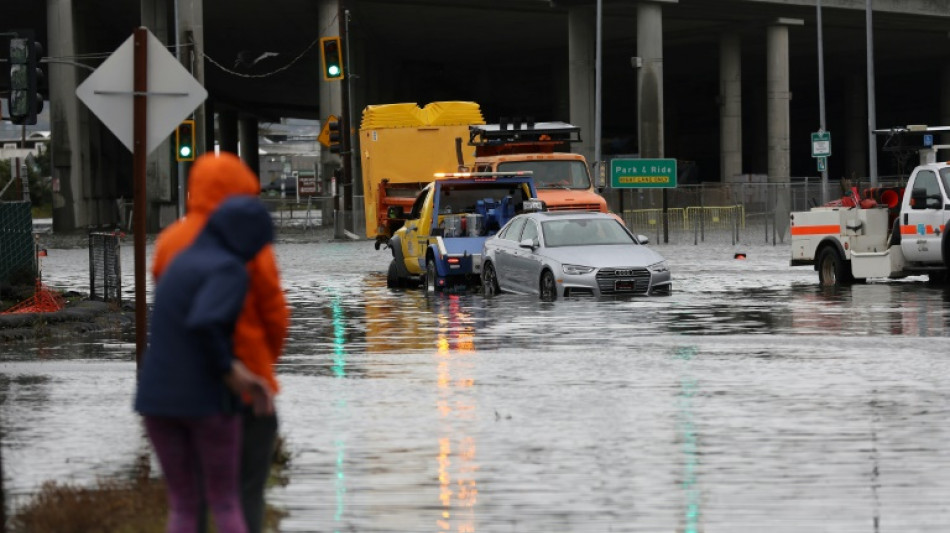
417, 233
922, 218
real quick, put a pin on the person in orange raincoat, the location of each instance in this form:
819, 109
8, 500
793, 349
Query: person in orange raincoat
262, 325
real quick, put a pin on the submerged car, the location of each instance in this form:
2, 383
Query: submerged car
559, 254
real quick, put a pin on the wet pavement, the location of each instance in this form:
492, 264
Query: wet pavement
750, 399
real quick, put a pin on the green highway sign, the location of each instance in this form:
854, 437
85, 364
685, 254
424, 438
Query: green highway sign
821, 144
642, 173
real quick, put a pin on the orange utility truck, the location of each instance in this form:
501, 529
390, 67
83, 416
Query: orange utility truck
562, 178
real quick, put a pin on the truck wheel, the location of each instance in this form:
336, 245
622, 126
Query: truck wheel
548, 287
490, 280
393, 281
832, 269
431, 276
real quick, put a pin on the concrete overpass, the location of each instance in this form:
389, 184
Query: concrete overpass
730, 84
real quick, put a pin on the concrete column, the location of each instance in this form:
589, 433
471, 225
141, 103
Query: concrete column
778, 103
944, 155
249, 143
159, 167
191, 35
650, 79
778, 96
228, 130
856, 136
730, 107
68, 118
581, 40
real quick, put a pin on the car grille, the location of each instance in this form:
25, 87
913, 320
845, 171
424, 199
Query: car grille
608, 278
575, 207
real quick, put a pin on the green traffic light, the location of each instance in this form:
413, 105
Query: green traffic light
185, 151
333, 70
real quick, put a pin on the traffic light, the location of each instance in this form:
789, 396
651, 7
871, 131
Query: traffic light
335, 135
25, 102
332, 58
185, 141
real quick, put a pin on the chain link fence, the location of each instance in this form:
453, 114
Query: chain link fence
17, 247
105, 267
724, 213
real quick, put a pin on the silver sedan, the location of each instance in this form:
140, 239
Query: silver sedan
555, 254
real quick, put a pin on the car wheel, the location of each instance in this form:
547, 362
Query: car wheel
548, 287
490, 280
430, 278
832, 270
393, 281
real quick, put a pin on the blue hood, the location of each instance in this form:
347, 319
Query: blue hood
242, 225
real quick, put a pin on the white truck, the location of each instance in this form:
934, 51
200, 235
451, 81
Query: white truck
854, 239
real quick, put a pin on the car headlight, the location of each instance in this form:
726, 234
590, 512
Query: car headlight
659, 267
576, 270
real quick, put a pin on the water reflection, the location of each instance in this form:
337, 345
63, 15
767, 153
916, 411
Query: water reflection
457, 461
687, 428
750, 399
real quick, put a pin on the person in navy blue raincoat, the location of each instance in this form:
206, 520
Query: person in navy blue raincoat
190, 379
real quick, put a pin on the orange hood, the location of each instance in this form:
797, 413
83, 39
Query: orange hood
213, 178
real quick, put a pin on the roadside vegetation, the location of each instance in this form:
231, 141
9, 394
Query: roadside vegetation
133, 504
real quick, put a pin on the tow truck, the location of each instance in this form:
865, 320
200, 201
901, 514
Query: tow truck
893, 232
440, 243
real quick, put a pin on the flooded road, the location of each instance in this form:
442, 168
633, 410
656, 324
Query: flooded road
748, 400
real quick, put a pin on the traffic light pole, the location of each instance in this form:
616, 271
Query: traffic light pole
347, 150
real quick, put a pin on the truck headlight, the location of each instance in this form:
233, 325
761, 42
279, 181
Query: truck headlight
576, 270
659, 267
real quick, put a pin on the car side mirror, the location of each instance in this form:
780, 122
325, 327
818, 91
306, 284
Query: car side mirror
529, 244
643, 239
918, 198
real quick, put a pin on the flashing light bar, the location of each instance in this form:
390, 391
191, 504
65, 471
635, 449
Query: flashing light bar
482, 174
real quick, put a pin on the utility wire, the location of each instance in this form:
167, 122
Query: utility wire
266, 74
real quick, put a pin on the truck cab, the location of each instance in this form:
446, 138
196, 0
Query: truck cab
562, 178
924, 214
440, 243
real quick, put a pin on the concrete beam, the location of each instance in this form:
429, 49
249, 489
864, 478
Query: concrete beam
906, 7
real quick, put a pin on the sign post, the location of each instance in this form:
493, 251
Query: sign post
162, 94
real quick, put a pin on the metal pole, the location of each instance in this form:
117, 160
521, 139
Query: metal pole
181, 164
821, 99
872, 118
597, 84
346, 147
139, 158
349, 111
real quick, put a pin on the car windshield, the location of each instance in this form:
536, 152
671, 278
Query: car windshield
552, 174
584, 232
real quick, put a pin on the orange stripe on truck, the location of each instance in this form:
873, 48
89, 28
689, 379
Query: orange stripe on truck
833, 229
911, 229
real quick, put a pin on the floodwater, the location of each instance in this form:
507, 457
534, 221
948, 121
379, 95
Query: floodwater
750, 400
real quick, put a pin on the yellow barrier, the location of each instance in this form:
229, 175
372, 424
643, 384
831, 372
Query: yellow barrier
719, 217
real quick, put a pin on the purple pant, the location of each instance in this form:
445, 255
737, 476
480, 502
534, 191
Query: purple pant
211, 445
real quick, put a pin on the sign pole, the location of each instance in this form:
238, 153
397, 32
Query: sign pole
139, 157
